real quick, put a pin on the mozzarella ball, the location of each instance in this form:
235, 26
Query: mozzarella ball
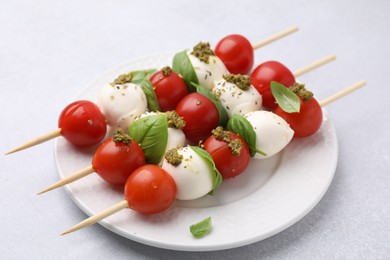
192, 176
273, 133
176, 138
209, 72
121, 104
236, 100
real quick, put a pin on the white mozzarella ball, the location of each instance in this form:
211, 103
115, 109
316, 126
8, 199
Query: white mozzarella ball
121, 104
236, 100
192, 176
176, 138
273, 133
209, 72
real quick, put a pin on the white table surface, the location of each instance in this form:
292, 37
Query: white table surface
49, 50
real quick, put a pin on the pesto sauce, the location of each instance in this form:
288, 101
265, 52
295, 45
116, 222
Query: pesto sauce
203, 52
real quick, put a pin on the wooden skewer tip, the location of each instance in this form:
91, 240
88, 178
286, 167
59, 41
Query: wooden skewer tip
99, 216
71, 178
343, 93
316, 64
275, 37
38, 140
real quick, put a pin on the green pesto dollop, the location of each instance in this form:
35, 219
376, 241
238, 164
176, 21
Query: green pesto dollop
166, 71
173, 157
119, 137
221, 134
174, 120
122, 79
301, 91
235, 145
203, 51
241, 81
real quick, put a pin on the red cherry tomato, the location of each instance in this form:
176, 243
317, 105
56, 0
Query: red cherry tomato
200, 114
307, 121
150, 189
236, 52
269, 71
115, 161
170, 88
228, 164
82, 123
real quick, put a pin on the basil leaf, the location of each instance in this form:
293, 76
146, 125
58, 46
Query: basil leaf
241, 126
139, 75
223, 115
201, 228
151, 133
182, 65
217, 177
287, 100
151, 97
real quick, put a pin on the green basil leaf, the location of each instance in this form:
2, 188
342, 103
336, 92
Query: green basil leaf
223, 115
139, 75
182, 65
240, 125
287, 100
217, 177
151, 97
151, 133
201, 228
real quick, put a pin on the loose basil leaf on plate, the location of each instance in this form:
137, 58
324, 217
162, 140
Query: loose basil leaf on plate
217, 177
223, 115
151, 133
240, 125
287, 100
151, 97
182, 65
201, 228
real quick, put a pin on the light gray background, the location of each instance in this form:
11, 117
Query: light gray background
50, 49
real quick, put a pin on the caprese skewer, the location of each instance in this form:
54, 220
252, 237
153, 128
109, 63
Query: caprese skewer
116, 100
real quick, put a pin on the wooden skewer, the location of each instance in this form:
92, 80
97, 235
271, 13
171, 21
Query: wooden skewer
50, 135
342, 93
275, 37
314, 65
71, 178
99, 216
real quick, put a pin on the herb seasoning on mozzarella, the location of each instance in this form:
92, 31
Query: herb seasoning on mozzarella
237, 95
203, 52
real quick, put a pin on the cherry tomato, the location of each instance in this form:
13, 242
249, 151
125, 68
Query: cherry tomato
236, 52
82, 123
228, 164
169, 87
307, 121
200, 114
269, 71
150, 189
115, 161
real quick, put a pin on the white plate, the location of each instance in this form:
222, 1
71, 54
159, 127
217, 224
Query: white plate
269, 197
